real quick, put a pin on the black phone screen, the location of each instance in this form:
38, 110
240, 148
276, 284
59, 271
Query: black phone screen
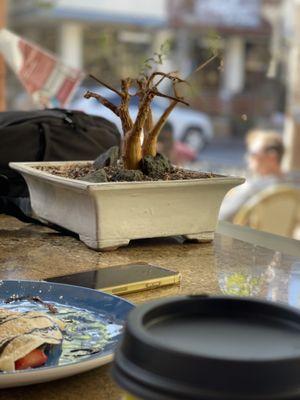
114, 276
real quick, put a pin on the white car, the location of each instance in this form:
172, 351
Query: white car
189, 126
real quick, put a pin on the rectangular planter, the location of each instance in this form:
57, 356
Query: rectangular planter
109, 215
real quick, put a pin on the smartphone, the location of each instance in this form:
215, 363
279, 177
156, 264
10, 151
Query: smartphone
121, 279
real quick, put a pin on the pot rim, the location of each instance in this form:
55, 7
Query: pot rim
28, 168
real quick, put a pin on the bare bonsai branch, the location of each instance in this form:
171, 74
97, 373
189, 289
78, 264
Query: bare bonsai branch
150, 141
124, 106
122, 110
201, 66
125, 87
175, 90
164, 75
106, 85
148, 126
169, 75
156, 59
177, 99
103, 101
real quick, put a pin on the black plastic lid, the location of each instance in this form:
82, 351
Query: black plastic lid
206, 348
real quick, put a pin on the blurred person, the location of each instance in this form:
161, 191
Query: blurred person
183, 154
265, 150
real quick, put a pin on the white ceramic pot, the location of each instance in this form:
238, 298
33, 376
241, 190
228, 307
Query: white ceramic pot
109, 215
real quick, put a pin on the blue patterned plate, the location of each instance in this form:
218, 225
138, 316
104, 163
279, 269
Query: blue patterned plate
94, 323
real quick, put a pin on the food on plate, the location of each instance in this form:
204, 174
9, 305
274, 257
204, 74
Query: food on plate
26, 338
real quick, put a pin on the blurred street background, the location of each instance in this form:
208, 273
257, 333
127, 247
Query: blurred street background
248, 86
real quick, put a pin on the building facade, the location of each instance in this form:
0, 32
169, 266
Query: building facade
111, 39
238, 89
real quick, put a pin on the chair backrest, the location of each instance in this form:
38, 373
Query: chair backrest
275, 210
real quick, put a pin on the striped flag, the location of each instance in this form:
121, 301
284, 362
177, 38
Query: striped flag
50, 82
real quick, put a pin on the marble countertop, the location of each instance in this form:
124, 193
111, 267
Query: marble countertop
256, 265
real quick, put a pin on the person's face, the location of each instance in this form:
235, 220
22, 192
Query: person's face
262, 161
257, 161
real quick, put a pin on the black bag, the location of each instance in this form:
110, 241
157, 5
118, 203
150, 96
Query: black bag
48, 135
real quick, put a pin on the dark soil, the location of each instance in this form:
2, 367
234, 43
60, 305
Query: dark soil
118, 174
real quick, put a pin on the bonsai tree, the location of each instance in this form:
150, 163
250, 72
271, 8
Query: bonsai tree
135, 146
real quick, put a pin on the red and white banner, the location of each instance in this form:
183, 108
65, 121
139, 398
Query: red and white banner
50, 82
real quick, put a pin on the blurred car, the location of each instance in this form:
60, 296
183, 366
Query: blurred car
191, 127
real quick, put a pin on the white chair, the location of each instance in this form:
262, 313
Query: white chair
275, 210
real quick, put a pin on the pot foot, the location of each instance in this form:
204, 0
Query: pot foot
103, 245
202, 237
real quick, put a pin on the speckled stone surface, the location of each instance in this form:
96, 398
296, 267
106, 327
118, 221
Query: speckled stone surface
225, 266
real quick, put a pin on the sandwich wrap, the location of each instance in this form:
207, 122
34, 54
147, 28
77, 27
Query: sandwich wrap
23, 332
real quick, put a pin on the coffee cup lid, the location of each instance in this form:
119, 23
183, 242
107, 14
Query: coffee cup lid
210, 348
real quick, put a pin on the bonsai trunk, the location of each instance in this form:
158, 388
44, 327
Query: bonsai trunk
132, 147
150, 141
132, 150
